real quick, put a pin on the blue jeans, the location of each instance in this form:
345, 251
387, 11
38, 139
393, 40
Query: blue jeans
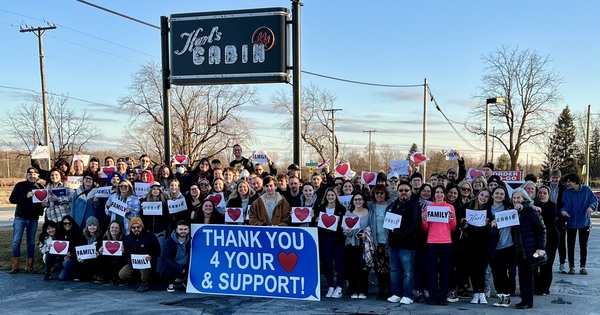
402, 264
19, 226
68, 272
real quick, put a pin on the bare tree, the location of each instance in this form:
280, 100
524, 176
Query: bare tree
69, 130
315, 126
205, 119
530, 92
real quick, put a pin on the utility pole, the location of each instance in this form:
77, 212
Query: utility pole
424, 126
587, 146
39, 31
332, 111
493, 142
370, 132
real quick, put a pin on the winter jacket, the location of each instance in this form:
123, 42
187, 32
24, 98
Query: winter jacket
169, 253
82, 205
146, 243
575, 203
532, 234
25, 208
281, 213
338, 234
439, 233
405, 237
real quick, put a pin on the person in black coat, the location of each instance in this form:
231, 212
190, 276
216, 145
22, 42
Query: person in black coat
139, 242
27, 215
175, 256
542, 276
530, 244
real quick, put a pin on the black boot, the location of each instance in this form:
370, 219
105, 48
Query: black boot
47, 276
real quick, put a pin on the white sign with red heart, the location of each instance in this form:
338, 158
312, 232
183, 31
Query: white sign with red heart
234, 215
350, 222
368, 178
59, 247
218, 200
107, 170
343, 170
181, 159
112, 248
472, 173
419, 158
39, 195
301, 214
328, 221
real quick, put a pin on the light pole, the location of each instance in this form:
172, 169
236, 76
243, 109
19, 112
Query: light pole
496, 100
370, 132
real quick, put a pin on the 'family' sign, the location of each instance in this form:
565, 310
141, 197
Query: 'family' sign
240, 260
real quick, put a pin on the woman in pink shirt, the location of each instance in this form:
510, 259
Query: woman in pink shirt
439, 245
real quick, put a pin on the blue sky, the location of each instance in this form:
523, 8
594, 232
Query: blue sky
93, 54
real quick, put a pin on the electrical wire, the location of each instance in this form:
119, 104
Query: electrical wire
361, 82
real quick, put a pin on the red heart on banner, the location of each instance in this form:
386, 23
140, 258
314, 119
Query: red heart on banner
216, 199
419, 158
351, 222
180, 158
234, 213
474, 173
301, 213
368, 177
41, 194
328, 220
342, 169
108, 170
287, 261
59, 246
112, 247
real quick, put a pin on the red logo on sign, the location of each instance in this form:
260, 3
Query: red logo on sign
264, 35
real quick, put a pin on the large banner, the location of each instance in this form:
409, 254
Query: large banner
240, 260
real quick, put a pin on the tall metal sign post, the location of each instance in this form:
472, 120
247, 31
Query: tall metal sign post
227, 47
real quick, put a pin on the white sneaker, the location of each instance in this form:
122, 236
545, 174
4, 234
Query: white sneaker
394, 299
482, 299
337, 293
329, 292
475, 299
362, 296
406, 300
354, 296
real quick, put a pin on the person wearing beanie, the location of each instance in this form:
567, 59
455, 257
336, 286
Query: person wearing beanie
89, 269
416, 181
494, 181
139, 242
488, 169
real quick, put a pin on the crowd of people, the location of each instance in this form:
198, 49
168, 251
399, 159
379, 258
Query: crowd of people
437, 252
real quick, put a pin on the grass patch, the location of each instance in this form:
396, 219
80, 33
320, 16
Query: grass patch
6, 249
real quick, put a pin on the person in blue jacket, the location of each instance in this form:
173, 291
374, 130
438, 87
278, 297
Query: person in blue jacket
578, 203
175, 256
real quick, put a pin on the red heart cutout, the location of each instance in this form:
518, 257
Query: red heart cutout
287, 261
216, 199
342, 169
41, 194
301, 213
474, 173
368, 177
328, 220
180, 158
419, 158
351, 222
59, 246
112, 247
108, 170
234, 213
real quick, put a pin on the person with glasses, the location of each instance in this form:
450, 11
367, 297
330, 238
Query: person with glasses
139, 242
27, 215
402, 243
239, 161
381, 259
358, 254
466, 191
416, 181
124, 194
70, 231
392, 183
439, 248
337, 184
478, 183
82, 201
145, 162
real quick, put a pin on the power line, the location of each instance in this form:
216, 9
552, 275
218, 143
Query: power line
362, 82
61, 95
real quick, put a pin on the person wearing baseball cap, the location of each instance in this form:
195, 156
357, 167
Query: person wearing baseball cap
454, 176
392, 184
139, 242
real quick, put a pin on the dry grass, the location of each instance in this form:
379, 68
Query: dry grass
6, 249
6, 186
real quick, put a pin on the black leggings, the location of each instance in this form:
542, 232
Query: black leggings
584, 235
